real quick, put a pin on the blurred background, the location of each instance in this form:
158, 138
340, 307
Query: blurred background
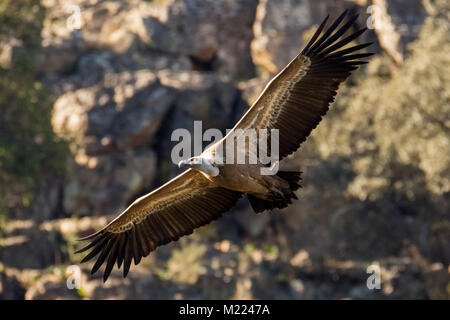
90, 92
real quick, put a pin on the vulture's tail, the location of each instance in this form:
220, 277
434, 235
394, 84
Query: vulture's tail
277, 200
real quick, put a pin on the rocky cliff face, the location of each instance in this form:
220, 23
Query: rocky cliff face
125, 74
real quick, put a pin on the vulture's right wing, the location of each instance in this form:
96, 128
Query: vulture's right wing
175, 209
295, 100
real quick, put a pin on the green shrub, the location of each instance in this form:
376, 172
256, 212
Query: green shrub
29, 150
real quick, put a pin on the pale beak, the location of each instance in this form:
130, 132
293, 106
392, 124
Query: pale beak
182, 164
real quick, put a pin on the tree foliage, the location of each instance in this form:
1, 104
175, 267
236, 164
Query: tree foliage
29, 150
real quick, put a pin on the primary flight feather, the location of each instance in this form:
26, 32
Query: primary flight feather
293, 102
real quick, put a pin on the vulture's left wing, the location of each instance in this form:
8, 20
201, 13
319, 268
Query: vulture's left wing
296, 99
175, 209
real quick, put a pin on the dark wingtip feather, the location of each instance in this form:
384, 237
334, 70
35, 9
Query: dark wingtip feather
121, 250
126, 267
342, 30
101, 258
91, 235
351, 50
327, 33
330, 40
111, 259
343, 42
89, 245
316, 34
96, 249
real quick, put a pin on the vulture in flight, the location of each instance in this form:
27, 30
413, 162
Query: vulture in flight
293, 102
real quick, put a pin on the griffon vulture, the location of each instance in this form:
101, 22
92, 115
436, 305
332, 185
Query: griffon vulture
293, 102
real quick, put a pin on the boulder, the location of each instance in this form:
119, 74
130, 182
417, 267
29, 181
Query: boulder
215, 34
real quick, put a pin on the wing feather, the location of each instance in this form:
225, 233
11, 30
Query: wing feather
121, 250
297, 98
186, 202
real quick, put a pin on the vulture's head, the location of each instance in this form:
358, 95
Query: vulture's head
194, 162
200, 164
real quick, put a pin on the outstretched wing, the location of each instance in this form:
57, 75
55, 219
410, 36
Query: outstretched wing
175, 209
297, 98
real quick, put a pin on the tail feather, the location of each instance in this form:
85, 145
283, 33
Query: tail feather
291, 177
277, 200
260, 205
